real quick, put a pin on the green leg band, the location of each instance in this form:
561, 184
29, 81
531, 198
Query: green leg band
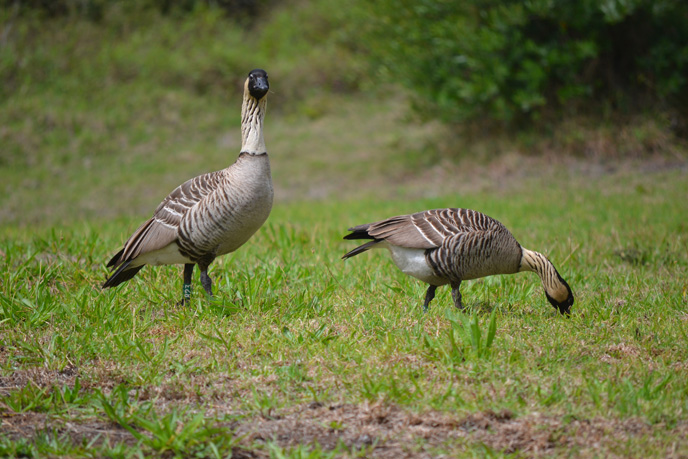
187, 291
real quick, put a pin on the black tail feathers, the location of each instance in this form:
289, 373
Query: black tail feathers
123, 274
361, 249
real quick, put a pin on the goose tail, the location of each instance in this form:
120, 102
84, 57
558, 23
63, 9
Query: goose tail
360, 249
359, 232
123, 274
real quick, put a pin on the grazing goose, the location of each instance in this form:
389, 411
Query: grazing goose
447, 246
209, 215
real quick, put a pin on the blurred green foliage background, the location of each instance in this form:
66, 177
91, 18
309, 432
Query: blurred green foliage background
506, 61
93, 89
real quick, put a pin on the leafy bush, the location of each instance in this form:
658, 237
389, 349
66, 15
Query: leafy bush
501, 60
97, 9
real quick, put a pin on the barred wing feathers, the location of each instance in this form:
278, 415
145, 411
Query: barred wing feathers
161, 230
431, 228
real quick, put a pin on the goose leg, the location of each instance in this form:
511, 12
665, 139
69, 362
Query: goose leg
456, 294
186, 293
429, 295
206, 281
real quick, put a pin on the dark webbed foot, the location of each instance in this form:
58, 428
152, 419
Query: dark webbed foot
429, 295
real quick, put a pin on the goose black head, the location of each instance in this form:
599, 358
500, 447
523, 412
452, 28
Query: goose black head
564, 307
258, 84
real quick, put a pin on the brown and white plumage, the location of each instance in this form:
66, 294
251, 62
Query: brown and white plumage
209, 215
448, 246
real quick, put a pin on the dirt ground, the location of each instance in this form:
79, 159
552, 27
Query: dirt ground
388, 431
392, 432
376, 430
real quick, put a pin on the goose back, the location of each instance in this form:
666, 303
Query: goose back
429, 229
459, 244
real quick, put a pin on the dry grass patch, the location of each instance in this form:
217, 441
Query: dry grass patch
383, 430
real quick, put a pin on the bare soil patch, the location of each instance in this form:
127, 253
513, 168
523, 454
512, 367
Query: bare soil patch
388, 431
381, 430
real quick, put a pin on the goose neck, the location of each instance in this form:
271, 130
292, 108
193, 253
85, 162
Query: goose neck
252, 115
551, 280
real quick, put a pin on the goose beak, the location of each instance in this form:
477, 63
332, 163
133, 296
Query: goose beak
565, 306
258, 86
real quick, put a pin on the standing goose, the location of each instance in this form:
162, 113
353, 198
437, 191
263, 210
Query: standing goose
447, 246
209, 215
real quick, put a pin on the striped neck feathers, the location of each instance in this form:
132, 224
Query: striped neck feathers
252, 114
557, 290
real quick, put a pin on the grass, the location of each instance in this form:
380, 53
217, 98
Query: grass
296, 336
301, 354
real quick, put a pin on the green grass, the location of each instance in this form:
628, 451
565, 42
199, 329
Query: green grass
301, 354
294, 329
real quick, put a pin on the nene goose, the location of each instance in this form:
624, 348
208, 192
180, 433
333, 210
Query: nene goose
209, 215
447, 246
